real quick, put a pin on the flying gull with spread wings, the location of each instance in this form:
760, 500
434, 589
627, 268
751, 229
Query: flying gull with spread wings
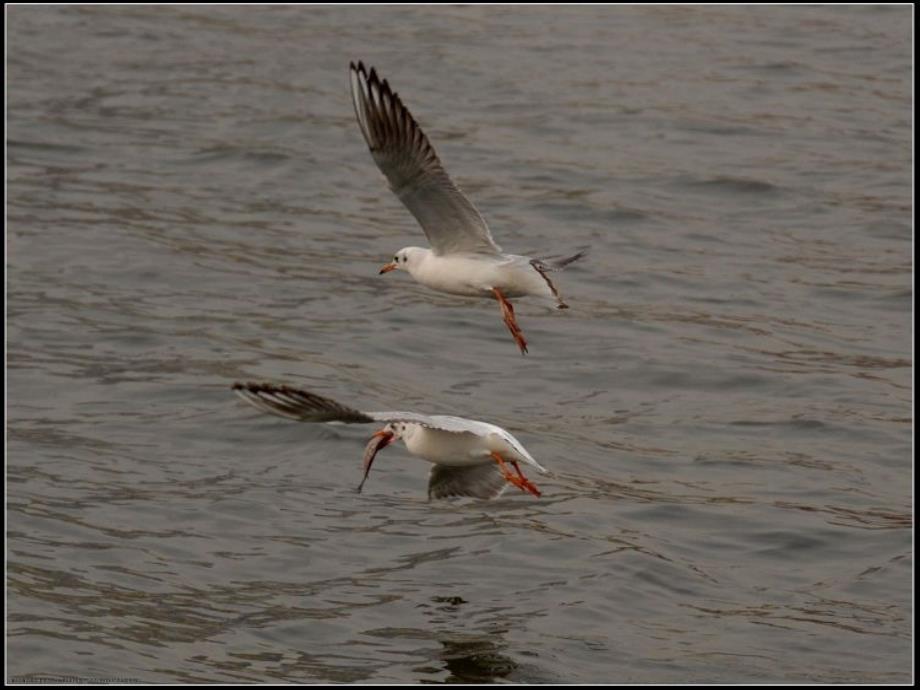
463, 258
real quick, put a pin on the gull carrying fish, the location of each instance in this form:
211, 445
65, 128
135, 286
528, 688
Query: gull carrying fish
470, 458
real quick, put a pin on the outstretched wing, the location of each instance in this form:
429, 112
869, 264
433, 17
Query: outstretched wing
297, 404
303, 406
404, 154
476, 481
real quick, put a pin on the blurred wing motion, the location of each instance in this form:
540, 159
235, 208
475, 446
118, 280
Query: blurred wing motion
479, 481
404, 154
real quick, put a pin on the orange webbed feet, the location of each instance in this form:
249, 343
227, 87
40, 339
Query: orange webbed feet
518, 480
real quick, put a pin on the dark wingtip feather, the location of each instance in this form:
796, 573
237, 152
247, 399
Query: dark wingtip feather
256, 387
297, 403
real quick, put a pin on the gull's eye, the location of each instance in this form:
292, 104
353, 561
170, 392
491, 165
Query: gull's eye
396, 259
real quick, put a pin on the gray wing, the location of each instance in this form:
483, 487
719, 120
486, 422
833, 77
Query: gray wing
404, 154
297, 404
303, 406
457, 425
477, 481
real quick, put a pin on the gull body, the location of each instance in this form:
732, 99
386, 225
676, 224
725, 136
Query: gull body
432, 442
468, 456
464, 258
474, 275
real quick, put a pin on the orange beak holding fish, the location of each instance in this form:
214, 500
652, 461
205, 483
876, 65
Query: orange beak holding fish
380, 440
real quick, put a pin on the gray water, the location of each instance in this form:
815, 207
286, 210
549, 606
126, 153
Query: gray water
726, 408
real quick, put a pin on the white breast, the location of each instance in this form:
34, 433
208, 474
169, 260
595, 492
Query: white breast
460, 449
446, 447
477, 274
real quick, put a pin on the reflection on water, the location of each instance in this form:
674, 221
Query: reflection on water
465, 658
726, 409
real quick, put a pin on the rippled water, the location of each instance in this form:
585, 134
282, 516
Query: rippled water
727, 406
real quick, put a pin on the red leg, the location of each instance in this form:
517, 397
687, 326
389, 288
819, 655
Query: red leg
510, 322
519, 480
526, 484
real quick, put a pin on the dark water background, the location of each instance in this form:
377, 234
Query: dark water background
727, 406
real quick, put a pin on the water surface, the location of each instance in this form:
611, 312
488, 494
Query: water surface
727, 406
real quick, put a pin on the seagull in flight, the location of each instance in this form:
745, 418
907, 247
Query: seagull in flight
463, 258
469, 458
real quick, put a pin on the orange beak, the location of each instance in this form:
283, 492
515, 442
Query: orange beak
389, 267
380, 440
